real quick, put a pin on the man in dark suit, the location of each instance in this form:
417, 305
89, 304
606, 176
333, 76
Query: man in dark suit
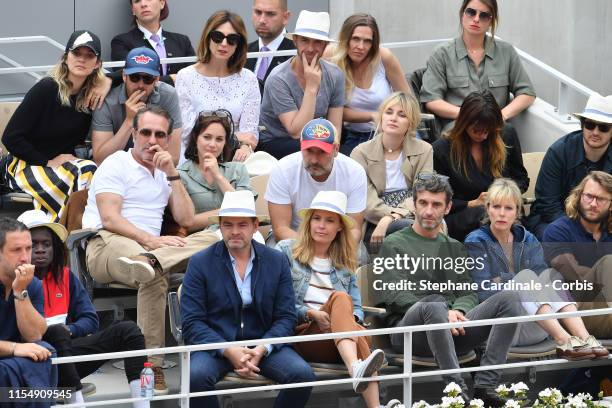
148, 32
238, 289
269, 19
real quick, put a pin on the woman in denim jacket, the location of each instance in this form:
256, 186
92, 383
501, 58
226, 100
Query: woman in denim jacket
323, 258
508, 252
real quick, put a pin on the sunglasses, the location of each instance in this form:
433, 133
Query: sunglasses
590, 125
148, 132
218, 37
427, 175
484, 15
147, 79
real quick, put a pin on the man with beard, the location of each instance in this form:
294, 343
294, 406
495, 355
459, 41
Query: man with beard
269, 19
24, 360
579, 245
301, 89
112, 123
297, 178
443, 260
570, 159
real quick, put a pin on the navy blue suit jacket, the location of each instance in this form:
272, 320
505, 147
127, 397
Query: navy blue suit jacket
211, 305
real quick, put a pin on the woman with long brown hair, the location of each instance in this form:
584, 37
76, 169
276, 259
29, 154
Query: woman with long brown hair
371, 74
323, 263
472, 155
218, 80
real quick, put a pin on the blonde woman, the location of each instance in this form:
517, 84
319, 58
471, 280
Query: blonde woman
511, 253
323, 261
371, 74
392, 160
53, 118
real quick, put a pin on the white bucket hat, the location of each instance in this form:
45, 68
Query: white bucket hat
313, 25
238, 204
260, 163
598, 108
38, 218
333, 201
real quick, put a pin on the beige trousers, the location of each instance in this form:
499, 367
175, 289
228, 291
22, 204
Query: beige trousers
601, 274
102, 253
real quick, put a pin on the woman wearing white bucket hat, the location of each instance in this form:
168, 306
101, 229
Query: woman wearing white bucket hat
301, 89
323, 261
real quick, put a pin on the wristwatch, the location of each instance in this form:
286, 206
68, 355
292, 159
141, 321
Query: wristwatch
23, 295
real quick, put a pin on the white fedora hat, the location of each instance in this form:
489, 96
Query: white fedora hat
333, 201
38, 218
238, 204
313, 25
598, 108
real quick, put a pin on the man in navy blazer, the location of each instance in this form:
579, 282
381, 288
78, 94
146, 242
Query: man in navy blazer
269, 17
238, 289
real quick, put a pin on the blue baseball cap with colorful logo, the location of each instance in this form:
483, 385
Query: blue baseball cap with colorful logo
319, 133
142, 60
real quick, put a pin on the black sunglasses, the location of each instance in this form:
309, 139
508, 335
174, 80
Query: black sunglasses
590, 125
429, 175
147, 79
148, 132
484, 15
218, 37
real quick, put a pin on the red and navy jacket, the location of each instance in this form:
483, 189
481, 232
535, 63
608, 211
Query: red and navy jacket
67, 302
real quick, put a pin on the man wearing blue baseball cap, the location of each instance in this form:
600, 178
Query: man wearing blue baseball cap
319, 166
112, 124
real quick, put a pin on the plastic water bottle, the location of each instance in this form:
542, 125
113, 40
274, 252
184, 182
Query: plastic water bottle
146, 381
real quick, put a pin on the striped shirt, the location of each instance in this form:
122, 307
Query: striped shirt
320, 287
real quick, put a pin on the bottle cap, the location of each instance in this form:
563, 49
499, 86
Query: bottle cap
147, 364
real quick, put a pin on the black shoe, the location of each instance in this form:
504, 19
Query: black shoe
492, 399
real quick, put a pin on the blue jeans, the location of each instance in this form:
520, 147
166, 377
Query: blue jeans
284, 366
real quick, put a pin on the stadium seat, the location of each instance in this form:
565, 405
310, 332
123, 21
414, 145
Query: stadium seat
259, 185
532, 162
429, 128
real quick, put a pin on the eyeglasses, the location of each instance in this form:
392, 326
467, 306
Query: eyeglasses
588, 198
147, 79
590, 125
218, 37
428, 175
484, 15
148, 132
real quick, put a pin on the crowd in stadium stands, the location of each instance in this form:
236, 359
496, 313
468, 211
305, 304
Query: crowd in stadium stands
167, 185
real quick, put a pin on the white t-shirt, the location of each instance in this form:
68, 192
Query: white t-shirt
290, 183
395, 178
144, 196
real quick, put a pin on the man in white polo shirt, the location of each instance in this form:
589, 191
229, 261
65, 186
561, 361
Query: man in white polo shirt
319, 166
126, 202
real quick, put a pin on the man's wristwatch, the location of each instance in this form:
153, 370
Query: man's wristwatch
23, 295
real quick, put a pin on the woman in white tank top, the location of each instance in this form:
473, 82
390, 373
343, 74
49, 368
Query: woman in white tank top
371, 74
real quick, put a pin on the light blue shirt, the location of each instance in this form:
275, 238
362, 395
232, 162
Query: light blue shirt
244, 286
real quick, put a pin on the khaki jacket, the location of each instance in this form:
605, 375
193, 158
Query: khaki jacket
418, 157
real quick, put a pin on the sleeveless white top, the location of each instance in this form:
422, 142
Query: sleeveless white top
369, 99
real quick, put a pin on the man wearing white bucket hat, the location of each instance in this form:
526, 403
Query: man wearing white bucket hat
570, 159
238, 289
301, 89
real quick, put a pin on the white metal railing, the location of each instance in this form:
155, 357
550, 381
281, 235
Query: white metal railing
561, 112
406, 376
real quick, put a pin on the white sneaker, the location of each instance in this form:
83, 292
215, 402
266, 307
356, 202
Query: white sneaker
138, 267
394, 403
366, 368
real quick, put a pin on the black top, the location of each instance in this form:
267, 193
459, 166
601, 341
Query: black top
177, 45
41, 127
465, 189
286, 44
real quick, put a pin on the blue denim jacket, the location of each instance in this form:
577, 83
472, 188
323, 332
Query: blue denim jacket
343, 280
527, 253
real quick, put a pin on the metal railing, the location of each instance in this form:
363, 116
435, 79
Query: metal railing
561, 112
406, 377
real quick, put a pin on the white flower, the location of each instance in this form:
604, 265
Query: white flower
476, 403
452, 387
502, 388
512, 404
584, 396
519, 387
448, 402
575, 402
420, 404
545, 393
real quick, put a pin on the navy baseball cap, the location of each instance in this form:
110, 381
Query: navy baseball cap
84, 38
142, 60
319, 133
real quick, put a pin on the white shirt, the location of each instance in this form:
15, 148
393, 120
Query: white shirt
144, 195
273, 46
290, 183
395, 178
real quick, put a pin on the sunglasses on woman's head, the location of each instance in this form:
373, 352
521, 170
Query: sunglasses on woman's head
484, 15
590, 125
218, 37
